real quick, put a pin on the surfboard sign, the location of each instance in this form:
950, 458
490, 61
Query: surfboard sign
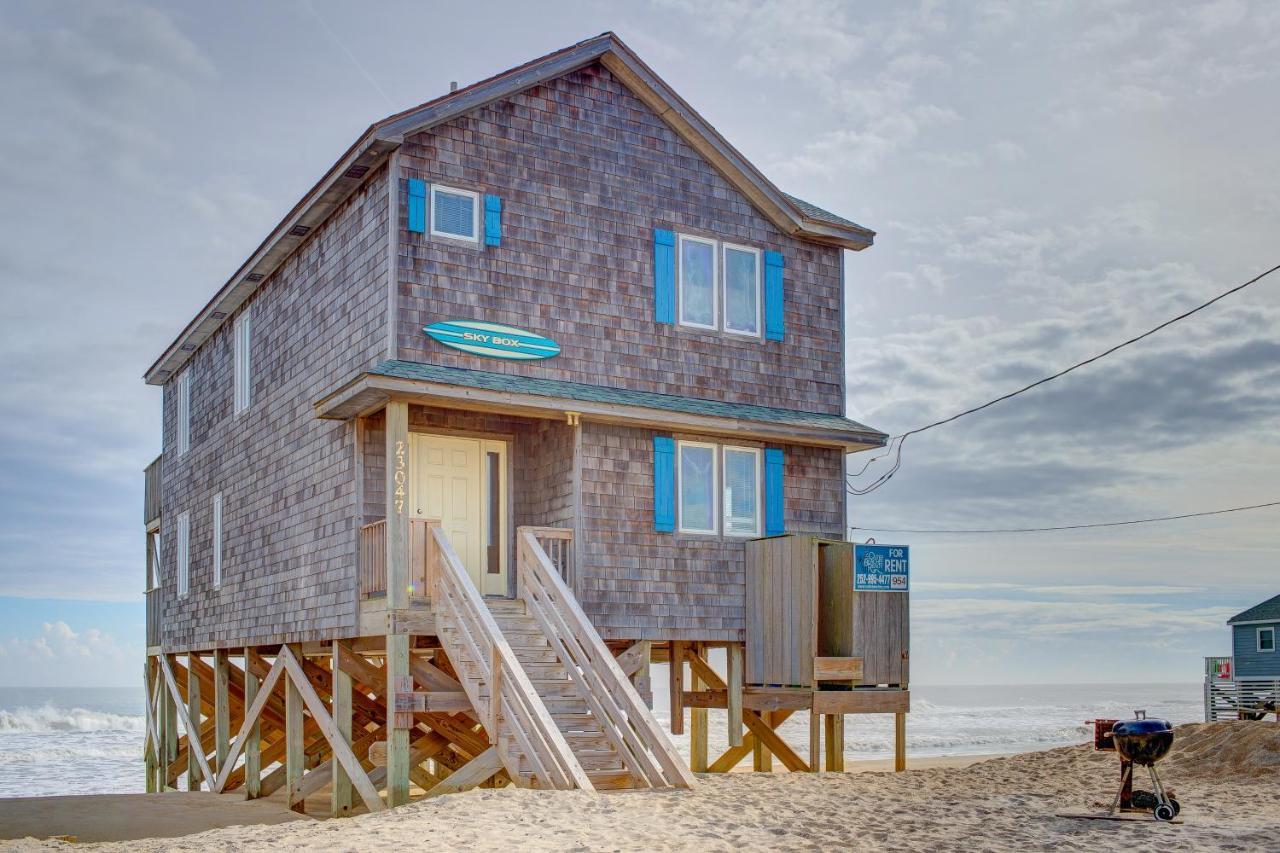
492, 340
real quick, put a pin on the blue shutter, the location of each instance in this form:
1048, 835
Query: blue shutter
773, 465
492, 220
773, 322
664, 484
664, 275
417, 205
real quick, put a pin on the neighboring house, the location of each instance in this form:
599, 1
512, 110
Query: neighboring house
1253, 641
635, 363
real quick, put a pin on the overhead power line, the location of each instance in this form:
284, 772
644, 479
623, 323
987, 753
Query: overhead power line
902, 438
1071, 526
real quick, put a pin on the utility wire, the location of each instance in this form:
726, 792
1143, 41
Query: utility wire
1072, 526
901, 439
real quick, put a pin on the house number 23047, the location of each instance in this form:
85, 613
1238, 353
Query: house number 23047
399, 478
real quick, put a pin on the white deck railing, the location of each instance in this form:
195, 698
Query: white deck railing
1241, 698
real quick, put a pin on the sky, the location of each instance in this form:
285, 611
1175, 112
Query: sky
1046, 179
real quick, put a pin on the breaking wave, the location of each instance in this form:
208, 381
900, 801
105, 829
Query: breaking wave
51, 719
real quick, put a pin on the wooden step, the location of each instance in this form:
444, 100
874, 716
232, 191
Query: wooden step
578, 722
612, 779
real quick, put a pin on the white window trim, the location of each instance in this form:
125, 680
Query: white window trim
242, 358
217, 540
1272, 632
724, 506
183, 437
724, 287
182, 554
715, 487
475, 213
715, 281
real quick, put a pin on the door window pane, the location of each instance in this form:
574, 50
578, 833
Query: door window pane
697, 488
697, 282
741, 291
741, 491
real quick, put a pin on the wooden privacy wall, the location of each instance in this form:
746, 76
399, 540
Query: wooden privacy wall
801, 604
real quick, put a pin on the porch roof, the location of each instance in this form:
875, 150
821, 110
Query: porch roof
456, 387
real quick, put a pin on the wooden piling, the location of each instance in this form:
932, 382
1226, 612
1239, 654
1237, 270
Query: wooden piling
193, 714
221, 707
835, 742
397, 661
697, 723
340, 799
295, 757
253, 742
733, 672
899, 742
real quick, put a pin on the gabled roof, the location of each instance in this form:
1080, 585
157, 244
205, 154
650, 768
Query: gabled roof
1267, 611
789, 214
478, 389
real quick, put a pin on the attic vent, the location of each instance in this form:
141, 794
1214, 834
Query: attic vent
299, 230
357, 171
255, 276
187, 347
219, 315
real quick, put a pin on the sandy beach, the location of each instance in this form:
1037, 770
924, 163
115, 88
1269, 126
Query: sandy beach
1227, 776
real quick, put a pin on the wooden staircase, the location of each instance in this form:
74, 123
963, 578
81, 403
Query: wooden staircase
565, 716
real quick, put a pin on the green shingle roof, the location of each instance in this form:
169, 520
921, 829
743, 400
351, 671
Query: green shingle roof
619, 396
1267, 611
814, 212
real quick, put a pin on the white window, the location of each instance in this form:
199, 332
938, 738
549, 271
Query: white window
741, 491
697, 489
741, 290
217, 540
183, 552
1266, 639
243, 375
153, 560
182, 441
697, 277
455, 213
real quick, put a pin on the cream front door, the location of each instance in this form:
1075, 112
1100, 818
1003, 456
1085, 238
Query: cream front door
462, 482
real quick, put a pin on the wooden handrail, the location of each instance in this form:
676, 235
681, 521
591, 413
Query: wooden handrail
630, 724
373, 557
512, 697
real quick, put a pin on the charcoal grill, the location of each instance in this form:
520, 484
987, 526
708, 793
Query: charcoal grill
1143, 741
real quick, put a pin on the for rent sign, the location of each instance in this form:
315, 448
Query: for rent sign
880, 568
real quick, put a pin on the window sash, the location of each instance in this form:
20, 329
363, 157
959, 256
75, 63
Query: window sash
1270, 633
688, 449
183, 438
712, 285
752, 327
217, 539
439, 192
741, 525
242, 367
184, 553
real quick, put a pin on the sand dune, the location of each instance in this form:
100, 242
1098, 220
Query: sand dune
1227, 776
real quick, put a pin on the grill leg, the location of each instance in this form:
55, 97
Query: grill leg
1124, 782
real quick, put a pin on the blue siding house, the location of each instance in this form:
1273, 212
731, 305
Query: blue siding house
1253, 641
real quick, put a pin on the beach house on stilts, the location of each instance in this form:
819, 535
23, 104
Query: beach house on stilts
540, 383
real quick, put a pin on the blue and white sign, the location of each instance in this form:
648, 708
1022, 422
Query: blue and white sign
492, 340
880, 568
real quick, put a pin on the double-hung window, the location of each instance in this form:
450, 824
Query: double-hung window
719, 489
242, 368
719, 286
1266, 639
455, 213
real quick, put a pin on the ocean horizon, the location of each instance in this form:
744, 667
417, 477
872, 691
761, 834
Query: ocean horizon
89, 740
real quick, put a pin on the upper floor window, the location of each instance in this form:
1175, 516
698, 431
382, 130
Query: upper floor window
183, 552
455, 213
217, 540
243, 375
719, 285
182, 439
1266, 639
718, 489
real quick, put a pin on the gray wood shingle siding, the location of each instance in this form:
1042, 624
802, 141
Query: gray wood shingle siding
289, 513
586, 172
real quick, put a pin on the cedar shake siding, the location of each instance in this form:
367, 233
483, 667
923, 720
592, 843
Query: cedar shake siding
287, 478
635, 583
586, 172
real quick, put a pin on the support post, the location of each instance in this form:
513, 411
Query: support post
899, 741
761, 757
221, 707
734, 686
835, 742
154, 744
193, 714
697, 724
815, 741
253, 744
295, 756
397, 666
341, 787
168, 734
675, 666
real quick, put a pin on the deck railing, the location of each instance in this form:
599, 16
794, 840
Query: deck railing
155, 606
511, 711
1241, 698
151, 491
613, 700
373, 558
557, 544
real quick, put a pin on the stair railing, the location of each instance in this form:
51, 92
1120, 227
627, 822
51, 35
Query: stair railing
626, 720
513, 705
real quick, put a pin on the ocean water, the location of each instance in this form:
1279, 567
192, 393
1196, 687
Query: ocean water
73, 740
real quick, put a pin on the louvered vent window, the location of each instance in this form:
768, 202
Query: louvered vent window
455, 213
